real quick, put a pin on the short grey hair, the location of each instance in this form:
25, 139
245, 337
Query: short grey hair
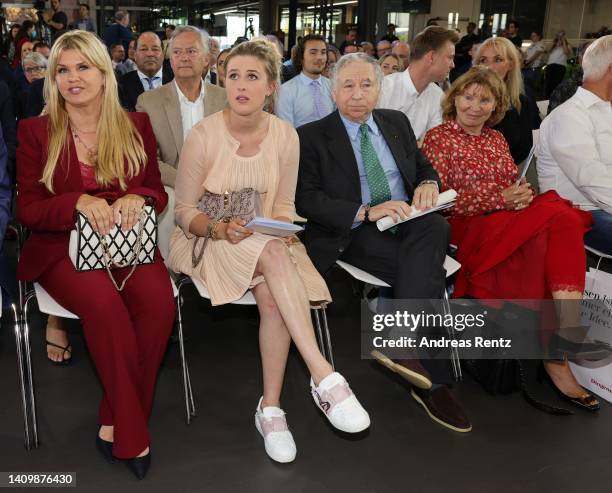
204, 38
120, 15
353, 58
597, 58
35, 58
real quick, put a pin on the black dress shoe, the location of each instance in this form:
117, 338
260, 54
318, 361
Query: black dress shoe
409, 369
443, 408
586, 401
140, 465
105, 448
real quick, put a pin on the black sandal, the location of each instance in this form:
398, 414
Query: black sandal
67, 349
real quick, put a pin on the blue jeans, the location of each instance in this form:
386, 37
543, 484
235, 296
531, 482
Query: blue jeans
600, 237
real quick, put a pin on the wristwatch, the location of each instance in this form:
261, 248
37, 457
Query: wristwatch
429, 182
366, 213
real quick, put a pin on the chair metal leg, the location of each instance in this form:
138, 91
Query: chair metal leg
189, 401
28, 365
22, 377
315, 312
330, 354
455, 359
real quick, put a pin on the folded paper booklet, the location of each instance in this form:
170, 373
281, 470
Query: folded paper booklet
445, 200
273, 227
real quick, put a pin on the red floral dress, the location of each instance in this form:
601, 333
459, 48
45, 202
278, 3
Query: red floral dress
522, 254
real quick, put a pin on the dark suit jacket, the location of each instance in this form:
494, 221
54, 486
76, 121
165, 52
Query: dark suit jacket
50, 216
328, 190
35, 100
130, 87
9, 128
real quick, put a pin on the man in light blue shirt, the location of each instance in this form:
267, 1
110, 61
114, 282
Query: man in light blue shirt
307, 97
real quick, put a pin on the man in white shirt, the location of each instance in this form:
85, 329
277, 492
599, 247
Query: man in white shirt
414, 91
575, 150
176, 107
308, 96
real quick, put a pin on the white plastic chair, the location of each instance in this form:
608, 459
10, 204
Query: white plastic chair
542, 108
48, 306
320, 317
450, 265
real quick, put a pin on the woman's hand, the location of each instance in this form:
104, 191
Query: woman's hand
127, 210
233, 231
100, 215
518, 197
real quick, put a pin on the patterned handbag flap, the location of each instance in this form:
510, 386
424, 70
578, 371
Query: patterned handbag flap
120, 245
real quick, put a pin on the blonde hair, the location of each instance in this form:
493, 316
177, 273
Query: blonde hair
399, 61
266, 52
482, 77
514, 78
118, 139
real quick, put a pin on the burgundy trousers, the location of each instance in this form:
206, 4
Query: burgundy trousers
126, 333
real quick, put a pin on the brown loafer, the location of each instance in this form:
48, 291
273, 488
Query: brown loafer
409, 369
443, 408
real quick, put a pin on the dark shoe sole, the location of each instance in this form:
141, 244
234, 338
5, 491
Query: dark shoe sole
416, 379
435, 418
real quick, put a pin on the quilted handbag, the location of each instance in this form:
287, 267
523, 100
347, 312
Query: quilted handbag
88, 250
244, 204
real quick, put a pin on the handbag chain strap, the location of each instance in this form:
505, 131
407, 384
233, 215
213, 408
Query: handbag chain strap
107, 257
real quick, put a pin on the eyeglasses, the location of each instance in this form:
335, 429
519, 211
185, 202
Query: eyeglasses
32, 70
190, 52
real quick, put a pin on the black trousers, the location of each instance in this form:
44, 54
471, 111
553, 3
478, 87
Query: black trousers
411, 260
554, 75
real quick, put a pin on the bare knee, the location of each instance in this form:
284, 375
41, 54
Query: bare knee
273, 254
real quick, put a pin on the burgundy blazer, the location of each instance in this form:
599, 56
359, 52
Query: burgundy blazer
50, 216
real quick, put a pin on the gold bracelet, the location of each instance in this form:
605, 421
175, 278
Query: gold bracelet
213, 234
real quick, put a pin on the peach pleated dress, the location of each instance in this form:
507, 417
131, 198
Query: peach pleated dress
209, 162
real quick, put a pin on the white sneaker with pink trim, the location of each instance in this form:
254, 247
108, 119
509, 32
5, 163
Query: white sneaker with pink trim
335, 398
278, 440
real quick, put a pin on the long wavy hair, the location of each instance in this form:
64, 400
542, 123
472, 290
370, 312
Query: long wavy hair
514, 78
117, 137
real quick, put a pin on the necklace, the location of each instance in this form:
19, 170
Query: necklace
92, 152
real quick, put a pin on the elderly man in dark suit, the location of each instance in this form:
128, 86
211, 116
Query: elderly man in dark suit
358, 165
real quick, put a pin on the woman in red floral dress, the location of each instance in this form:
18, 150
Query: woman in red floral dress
512, 244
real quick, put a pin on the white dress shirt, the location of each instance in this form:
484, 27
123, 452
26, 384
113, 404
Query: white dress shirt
191, 112
575, 151
538, 48
157, 82
423, 110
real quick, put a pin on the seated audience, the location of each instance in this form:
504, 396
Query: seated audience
117, 53
390, 34
150, 74
500, 55
402, 50
382, 48
414, 91
43, 48
24, 36
88, 155
367, 48
176, 107
289, 68
390, 64
221, 66
531, 248
84, 22
307, 97
575, 150
333, 55
351, 39
557, 62
246, 147
350, 48
353, 173
129, 65
34, 68
9, 131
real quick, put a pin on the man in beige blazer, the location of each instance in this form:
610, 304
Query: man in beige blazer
176, 107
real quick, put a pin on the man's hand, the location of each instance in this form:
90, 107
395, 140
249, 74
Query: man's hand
397, 209
425, 196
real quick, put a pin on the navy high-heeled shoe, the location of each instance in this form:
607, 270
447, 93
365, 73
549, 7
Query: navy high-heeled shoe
139, 465
105, 448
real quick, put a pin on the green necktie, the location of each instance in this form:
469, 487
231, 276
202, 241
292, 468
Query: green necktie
375, 174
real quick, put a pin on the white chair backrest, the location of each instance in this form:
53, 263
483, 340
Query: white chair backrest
166, 226
542, 108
